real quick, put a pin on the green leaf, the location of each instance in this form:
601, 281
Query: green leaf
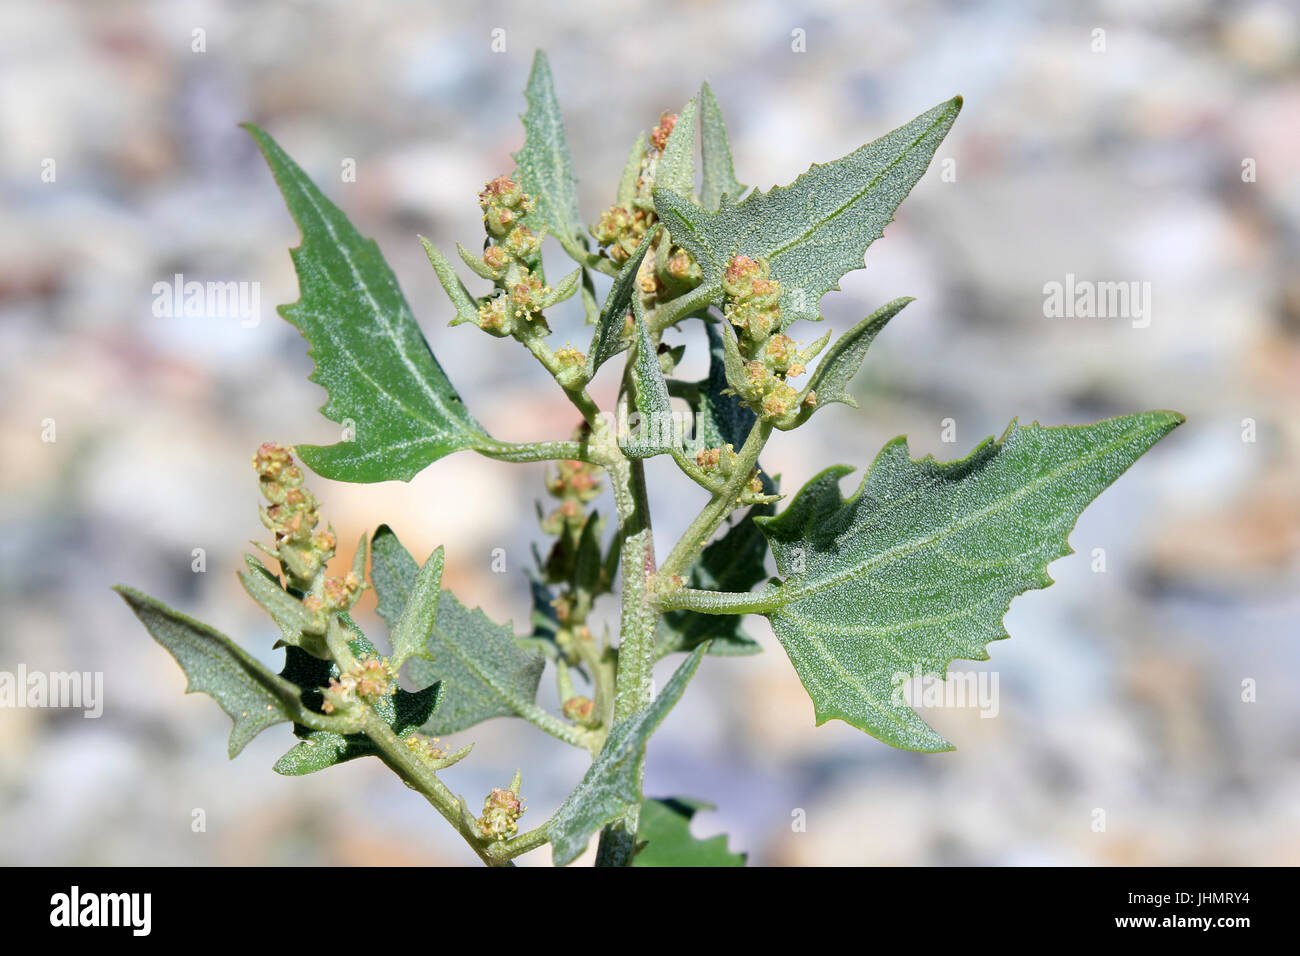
545, 622
655, 430
612, 783
486, 672
369, 352
734, 562
411, 634
831, 381
589, 560
287, 611
675, 169
631, 172
721, 417
545, 168
215, 665
719, 173
918, 568
465, 304
816, 230
608, 339
665, 829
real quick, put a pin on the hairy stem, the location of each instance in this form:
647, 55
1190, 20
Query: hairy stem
719, 602
537, 451
724, 501
637, 632
410, 767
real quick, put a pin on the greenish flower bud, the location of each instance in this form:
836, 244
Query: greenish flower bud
501, 812
582, 711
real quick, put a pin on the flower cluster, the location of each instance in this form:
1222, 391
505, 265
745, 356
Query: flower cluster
426, 747
501, 812
622, 227
771, 359
366, 679
510, 260
292, 516
575, 484
723, 461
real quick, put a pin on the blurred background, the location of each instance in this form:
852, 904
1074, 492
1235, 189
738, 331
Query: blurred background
1155, 143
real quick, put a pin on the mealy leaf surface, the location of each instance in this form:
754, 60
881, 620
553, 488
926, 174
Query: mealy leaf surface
920, 565
247, 691
382, 379
816, 230
486, 672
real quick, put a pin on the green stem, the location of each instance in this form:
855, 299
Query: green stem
537, 451
411, 768
720, 602
544, 354
724, 501
637, 621
549, 723
507, 850
602, 675
674, 310
636, 656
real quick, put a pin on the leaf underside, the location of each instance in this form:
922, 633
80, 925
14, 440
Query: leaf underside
918, 568
383, 382
247, 691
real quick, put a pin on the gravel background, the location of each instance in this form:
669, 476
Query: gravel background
1120, 691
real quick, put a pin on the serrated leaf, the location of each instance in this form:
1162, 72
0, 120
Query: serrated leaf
609, 339
719, 176
816, 230
675, 169
545, 168
918, 568
655, 430
830, 383
734, 562
612, 783
487, 674
370, 355
248, 692
665, 829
